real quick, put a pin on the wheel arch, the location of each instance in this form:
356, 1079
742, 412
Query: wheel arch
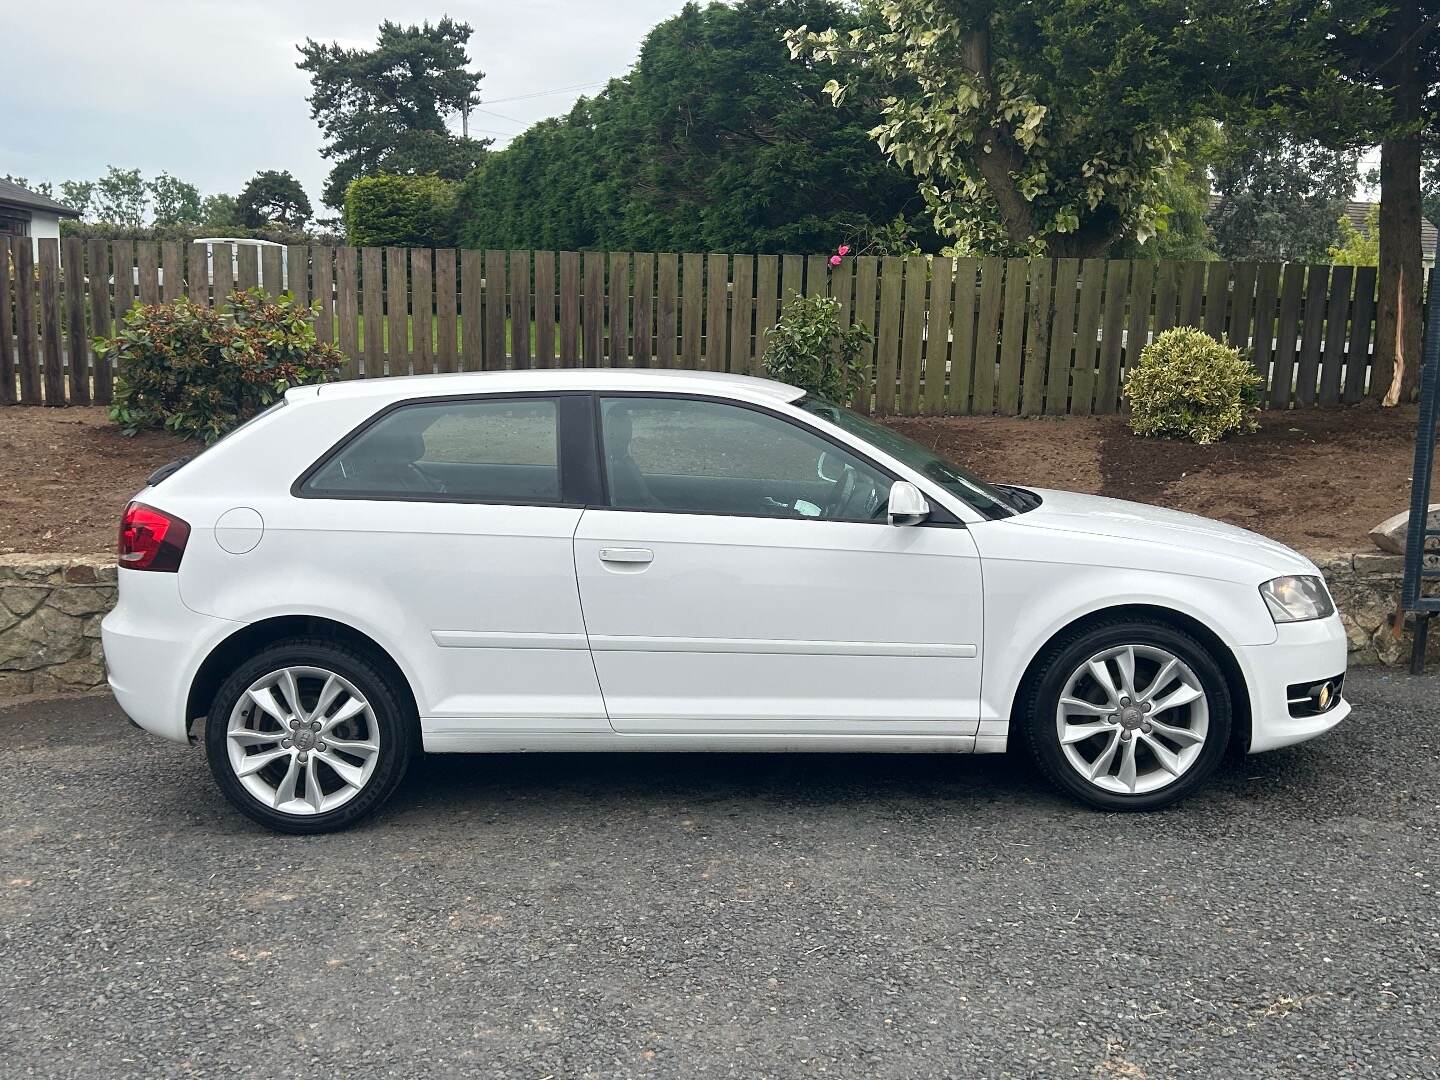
1223, 654
251, 638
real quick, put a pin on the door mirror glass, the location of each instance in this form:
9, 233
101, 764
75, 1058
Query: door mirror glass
907, 505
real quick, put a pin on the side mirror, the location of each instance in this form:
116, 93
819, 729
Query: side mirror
907, 505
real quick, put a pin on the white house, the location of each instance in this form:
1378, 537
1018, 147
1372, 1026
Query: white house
24, 213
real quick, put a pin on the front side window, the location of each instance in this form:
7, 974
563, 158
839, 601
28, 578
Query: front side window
503, 450
989, 500
708, 457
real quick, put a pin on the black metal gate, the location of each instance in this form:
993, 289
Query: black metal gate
1423, 565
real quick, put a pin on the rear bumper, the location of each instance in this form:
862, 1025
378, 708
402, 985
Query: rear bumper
153, 646
1301, 652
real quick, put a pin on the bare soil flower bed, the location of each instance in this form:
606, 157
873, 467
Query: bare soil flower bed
1316, 479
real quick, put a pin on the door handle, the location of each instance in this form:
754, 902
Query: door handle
626, 555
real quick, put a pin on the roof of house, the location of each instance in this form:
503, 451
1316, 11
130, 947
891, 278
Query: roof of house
1358, 211
15, 195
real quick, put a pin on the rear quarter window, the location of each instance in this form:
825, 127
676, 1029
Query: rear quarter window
499, 451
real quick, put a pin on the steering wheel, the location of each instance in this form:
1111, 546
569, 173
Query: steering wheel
845, 487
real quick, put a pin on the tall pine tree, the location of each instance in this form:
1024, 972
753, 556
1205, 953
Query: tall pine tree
385, 110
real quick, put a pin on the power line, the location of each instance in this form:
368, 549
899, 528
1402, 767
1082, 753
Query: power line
545, 93
501, 116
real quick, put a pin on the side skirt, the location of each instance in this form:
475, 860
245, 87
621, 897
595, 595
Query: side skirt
512, 742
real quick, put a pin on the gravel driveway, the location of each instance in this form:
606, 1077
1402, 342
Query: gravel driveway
698, 916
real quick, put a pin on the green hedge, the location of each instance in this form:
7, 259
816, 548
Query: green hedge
400, 211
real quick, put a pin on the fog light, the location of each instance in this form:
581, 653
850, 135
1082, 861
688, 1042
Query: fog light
1314, 698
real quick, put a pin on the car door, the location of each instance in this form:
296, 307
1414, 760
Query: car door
444, 528
743, 578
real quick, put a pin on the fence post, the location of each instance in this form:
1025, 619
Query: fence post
1037, 338
593, 308
27, 337
7, 328
76, 339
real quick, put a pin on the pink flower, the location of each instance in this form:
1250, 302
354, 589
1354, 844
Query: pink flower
835, 260
843, 249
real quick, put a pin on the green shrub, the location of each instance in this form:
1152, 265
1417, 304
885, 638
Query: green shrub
400, 211
809, 348
1189, 386
200, 371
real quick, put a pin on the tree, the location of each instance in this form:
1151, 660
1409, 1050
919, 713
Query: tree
1181, 231
1358, 247
400, 211
1040, 124
120, 197
1279, 198
273, 199
1400, 51
384, 110
79, 195
542, 191
219, 211
1352, 73
1033, 125
176, 202
714, 141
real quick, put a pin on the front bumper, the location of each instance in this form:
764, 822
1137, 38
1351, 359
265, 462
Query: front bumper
153, 646
1305, 652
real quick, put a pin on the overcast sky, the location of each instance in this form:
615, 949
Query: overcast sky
208, 91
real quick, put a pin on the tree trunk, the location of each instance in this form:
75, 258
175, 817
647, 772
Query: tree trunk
997, 158
1397, 317
1091, 241
1396, 372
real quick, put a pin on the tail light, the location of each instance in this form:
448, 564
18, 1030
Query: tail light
151, 539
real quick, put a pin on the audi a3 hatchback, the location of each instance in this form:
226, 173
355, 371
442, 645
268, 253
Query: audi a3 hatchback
664, 560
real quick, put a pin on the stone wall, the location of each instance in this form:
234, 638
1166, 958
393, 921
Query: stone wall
1366, 587
51, 605
50, 611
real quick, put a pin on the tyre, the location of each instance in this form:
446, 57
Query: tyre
1127, 715
309, 736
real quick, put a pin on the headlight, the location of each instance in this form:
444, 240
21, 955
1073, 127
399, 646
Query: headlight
1297, 599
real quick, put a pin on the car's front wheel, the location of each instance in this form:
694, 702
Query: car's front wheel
308, 736
1127, 715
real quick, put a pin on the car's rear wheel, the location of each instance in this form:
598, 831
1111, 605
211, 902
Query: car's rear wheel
1127, 715
308, 736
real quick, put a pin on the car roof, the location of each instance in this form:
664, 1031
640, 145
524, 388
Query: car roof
551, 380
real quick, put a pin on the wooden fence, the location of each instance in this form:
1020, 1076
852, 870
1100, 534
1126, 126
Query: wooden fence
952, 336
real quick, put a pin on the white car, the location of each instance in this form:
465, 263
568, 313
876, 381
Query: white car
665, 560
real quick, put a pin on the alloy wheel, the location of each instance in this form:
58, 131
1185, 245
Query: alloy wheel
1132, 719
303, 740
